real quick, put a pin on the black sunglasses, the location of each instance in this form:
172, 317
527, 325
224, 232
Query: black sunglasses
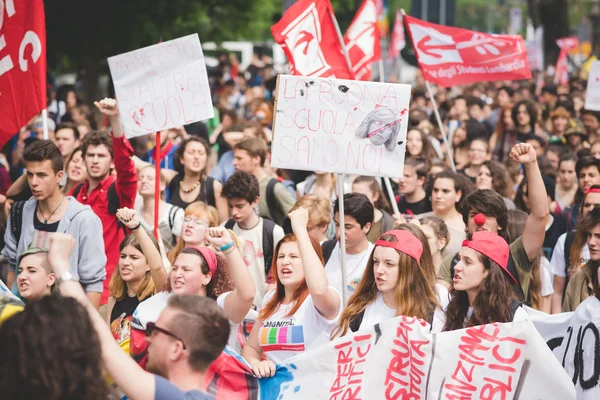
151, 327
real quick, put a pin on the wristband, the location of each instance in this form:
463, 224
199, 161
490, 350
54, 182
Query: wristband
228, 245
135, 228
229, 250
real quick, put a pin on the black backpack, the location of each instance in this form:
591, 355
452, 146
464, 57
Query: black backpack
16, 220
327, 248
271, 200
267, 241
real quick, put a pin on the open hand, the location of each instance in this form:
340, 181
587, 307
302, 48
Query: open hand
107, 107
128, 217
61, 245
523, 153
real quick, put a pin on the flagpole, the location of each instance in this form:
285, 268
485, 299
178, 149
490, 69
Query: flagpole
45, 123
441, 125
341, 38
156, 183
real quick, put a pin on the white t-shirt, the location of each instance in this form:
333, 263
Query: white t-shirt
355, 266
546, 277
254, 256
557, 263
282, 337
376, 312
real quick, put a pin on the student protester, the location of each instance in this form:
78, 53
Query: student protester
438, 237
484, 210
591, 122
139, 272
588, 174
583, 283
75, 172
49, 210
576, 136
524, 116
479, 152
198, 217
319, 216
399, 280
36, 279
46, 368
482, 284
566, 184
494, 176
275, 200
302, 302
413, 200
261, 235
418, 146
187, 336
358, 219
102, 191
382, 221
170, 217
199, 271
66, 139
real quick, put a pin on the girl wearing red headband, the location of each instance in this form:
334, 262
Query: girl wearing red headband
483, 288
301, 308
399, 280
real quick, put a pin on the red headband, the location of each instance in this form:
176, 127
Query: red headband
210, 257
406, 243
493, 246
592, 190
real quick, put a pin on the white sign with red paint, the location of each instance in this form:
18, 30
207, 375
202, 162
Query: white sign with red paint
592, 97
338, 125
162, 86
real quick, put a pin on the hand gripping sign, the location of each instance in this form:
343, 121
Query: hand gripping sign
162, 86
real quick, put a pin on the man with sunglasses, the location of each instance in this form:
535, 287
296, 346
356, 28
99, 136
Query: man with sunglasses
190, 333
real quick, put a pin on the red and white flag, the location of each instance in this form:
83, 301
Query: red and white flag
561, 73
309, 38
362, 40
22, 64
452, 56
398, 38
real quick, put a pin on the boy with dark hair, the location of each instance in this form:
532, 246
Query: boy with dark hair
104, 193
588, 175
49, 210
66, 139
358, 218
414, 200
262, 235
275, 201
591, 122
494, 218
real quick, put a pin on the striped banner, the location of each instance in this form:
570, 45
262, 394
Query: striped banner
285, 338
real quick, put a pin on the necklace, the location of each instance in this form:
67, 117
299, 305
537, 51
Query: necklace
191, 189
50, 216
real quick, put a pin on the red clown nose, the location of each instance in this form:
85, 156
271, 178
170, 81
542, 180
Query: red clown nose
479, 219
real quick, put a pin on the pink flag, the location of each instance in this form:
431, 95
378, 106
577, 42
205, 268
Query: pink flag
561, 73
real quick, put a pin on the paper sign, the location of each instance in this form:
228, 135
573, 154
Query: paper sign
592, 97
162, 86
343, 126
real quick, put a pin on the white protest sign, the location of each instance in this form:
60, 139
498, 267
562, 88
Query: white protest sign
592, 96
337, 125
161, 86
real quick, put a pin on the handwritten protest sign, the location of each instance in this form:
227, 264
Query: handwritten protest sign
592, 97
400, 359
341, 126
161, 86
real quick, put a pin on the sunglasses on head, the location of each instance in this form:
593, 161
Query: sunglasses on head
151, 327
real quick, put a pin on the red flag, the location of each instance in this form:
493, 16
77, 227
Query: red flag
561, 73
22, 64
309, 38
398, 38
452, 56
362, 40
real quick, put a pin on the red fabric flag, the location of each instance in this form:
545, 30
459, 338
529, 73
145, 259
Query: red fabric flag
362, 40
452, 56
398, 38
561, 73
22, 64
310, 41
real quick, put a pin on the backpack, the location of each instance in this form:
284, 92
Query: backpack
327, 248
16, 219
172, 212
271, 200
267, 241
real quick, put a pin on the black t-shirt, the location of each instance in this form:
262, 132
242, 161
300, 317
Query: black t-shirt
124, 307
420, 207
40, 226
463, 172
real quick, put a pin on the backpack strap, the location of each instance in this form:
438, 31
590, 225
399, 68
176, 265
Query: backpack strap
271, 201
77, 190
387, 222
267, 243
327, 248
356, 321
209, 190
229, 224
514, 306
113, 199
16, 220
172, 213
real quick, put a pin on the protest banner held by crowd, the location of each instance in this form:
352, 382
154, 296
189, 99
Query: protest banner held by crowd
234, 232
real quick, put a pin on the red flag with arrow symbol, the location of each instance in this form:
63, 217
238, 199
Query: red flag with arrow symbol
452, 56
362, 40
308, 36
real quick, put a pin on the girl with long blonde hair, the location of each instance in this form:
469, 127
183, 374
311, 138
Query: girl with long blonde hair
399, 280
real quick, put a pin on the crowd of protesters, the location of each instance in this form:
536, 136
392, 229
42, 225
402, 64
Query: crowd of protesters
516, 224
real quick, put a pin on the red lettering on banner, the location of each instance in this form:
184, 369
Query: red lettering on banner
485, 355
405, 371
348, 382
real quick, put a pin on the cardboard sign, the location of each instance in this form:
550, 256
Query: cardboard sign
592, 97
162, 86
343, 126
